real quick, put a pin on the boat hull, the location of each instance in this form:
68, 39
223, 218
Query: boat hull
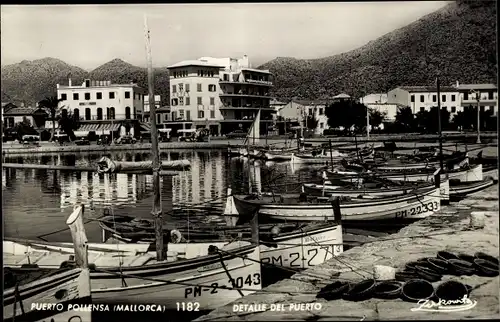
278, 156
43, 291
305, 250
412, 206
167, 283
461, 190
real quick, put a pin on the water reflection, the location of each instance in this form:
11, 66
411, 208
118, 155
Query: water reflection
37, 201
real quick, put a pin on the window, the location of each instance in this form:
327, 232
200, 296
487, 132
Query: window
158, 118
490, 95
174, 89
181, 114
127, 94
87, 114
99, 95
112, 113
443, 98
76, 114
453, 109
201, 114
127, 112
422, 108
165, 118
111, 95
434, 98
212, 100
422, 98
187, 88
320, 125
181, 100
412, 98
99, 113
200, 100
181, 87
310, 111
188, 101
198, 87
174, 102
75, 97
320, 111
466, 96
174, 116
212, 114
211, 88
87, 96
453, 98
63, 97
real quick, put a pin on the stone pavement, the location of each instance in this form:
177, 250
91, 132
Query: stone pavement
448, 230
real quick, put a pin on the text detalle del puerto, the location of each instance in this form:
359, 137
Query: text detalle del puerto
277, 307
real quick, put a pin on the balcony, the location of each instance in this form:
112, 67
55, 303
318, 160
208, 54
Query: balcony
246, 94
246, 108
247, 82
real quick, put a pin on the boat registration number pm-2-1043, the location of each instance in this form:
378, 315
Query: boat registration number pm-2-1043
417, 210
239, 282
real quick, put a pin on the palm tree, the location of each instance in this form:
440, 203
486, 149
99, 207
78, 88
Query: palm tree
51, 105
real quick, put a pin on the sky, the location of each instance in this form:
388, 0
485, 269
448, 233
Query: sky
91, 35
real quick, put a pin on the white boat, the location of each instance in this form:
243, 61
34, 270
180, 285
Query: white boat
416, 205
322, 158
462, 189
31, 294
130, 273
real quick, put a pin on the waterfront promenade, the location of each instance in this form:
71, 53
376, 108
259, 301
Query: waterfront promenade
408, 140
447, 230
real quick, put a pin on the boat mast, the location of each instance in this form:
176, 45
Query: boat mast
157, 209
439, 126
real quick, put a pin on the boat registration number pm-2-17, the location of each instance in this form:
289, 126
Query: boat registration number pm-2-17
239, 282
417, 210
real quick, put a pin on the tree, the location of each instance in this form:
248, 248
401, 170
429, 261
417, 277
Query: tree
376, 117
68, 124
405, 118
346, 114
51, 105
428, 120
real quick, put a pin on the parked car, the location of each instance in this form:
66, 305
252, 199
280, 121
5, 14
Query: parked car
31, 139
236, 134
82, 142
127, 139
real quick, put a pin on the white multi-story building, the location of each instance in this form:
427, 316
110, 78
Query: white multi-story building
423, 98
486, 93
103, 106
222, 93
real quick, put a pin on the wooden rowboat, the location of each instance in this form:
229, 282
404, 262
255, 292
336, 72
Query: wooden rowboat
416, 205
316, 242
212, 274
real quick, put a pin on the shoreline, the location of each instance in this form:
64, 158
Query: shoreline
222, 143
456, 236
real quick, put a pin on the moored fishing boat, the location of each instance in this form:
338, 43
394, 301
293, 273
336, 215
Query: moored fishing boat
321, 158
417, 204
33, 294
317, 242
459, 190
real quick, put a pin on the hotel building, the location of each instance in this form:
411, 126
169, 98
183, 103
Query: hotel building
104, 107
223, 94
422, 98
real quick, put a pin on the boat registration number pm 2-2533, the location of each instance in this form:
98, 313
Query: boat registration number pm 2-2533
417, 210
239, 282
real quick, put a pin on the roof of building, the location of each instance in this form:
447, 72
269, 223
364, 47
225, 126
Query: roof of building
427, 89
194, 62
19, 111
476, 86
265, 71
312, 102
276, 102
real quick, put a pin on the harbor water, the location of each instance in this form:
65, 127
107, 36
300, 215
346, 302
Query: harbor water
37, 202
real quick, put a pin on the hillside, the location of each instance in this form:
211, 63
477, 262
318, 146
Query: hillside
458, 40
31, 81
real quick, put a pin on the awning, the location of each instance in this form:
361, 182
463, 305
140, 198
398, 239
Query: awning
99, 127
